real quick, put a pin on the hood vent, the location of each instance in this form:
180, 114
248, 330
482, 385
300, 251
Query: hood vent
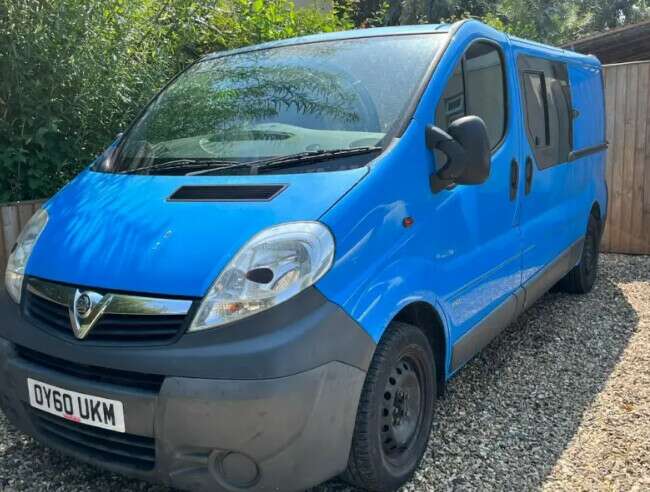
226, 193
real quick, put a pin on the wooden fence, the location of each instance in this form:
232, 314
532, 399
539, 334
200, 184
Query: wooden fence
627, 89
628, 167
12, 219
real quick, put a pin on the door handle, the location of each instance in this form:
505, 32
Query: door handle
529, 175
514, 179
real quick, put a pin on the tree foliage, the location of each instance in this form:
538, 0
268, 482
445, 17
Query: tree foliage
74, 72
551, 21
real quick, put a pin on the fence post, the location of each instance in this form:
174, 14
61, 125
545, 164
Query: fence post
10, 230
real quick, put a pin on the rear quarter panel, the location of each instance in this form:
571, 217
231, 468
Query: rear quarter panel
588, 97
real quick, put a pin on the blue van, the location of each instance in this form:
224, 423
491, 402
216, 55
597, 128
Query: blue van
266, 281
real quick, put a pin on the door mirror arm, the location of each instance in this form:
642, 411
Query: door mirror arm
438, 139
467, 148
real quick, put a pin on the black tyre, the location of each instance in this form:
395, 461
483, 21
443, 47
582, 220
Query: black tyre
395, 411
582, 277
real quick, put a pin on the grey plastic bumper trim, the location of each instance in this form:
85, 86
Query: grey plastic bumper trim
304, 332
493, 324
297, 430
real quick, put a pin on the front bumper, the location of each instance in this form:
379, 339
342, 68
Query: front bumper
282, 432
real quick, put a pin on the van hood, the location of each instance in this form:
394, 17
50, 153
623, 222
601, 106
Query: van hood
122, 233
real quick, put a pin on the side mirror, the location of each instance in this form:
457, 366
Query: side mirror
467, 147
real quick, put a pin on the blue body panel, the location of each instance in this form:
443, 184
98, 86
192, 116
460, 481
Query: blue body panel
587, 91
119, 232
554, 215
469, 249
438, 260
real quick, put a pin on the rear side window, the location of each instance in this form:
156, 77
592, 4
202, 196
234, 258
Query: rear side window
476, 88
547, 103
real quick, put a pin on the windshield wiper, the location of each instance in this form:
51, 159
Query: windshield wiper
293, 159
203, 164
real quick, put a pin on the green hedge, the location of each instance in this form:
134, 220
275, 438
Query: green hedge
75, 72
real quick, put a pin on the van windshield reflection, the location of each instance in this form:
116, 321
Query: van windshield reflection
275, 102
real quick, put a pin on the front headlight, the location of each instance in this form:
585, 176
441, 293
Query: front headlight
19, 257
274, 266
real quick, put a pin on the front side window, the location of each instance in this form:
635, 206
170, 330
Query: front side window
269, 103
476, 88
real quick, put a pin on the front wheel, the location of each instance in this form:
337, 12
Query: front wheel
582, 277
395, 411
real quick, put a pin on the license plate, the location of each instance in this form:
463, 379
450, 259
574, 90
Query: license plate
76, 407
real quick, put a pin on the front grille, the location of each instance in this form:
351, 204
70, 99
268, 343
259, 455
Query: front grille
111, 329
126, 450
116, 377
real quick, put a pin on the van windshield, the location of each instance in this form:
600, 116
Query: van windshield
338, 98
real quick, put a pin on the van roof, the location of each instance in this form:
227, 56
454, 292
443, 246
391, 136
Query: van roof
402, 30
567, 55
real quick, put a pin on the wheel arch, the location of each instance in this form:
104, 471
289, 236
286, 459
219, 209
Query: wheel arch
426, 317
596, 212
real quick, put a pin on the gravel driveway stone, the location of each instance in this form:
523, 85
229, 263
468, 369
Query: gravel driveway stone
561, 400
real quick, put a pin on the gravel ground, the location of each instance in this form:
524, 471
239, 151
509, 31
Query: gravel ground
561, 401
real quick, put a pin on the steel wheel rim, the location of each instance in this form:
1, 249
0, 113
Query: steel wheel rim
403, 408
